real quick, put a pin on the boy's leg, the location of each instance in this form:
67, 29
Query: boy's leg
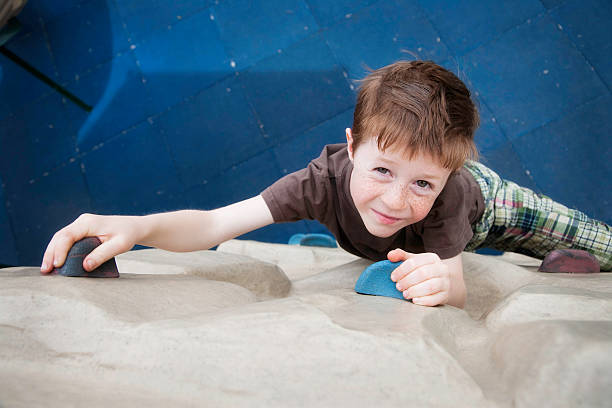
523, 221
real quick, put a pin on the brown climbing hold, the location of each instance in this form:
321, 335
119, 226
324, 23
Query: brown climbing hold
74, 261
569, 261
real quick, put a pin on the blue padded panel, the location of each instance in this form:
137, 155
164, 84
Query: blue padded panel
465, 25
87, 35
48, 10
488, 136
550, 4
33, 48
8, 250
531, 75
253, 29
297, 152
239, 182
587, 23
211, 132
17, 87
144, 17
41, 208
316, 227
327, 12
582, 180
29, 18
35, 141
119, 98
359, 41
181, 60
132, 173
506, 162
304, 78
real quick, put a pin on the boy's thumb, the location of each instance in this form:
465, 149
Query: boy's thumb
397, 255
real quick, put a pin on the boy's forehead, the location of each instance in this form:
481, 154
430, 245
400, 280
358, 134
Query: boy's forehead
398, 151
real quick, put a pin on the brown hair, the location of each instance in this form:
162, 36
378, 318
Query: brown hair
419, 107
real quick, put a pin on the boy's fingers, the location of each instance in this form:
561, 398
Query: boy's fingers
413, 262
103, 253
426, 288
62, 241
417, 276
439, 298
47, 262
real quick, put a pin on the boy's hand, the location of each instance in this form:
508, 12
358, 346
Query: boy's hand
118, 234
424, 278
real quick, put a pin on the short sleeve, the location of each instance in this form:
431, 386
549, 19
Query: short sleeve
447, 228
304, 194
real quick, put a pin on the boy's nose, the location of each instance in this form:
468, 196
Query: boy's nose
396, 197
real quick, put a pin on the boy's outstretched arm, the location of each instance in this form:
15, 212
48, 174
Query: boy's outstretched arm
428, 280
179, 231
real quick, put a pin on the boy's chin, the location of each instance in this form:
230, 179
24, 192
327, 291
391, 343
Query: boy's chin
379, 232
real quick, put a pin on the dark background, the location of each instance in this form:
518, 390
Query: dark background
198, 104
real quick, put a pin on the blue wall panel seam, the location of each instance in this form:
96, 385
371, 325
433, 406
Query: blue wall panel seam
482, 101
560, 117
314, 17
48, 45
436, 30
591, 66
556, 6
295, 136
528, 21
127, 30
260, 125
236, 164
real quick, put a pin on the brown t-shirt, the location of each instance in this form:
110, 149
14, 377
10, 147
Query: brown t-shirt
321, 192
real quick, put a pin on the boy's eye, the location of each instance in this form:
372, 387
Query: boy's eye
382, 170
422, 183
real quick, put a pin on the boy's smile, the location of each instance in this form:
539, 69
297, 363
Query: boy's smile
390, 190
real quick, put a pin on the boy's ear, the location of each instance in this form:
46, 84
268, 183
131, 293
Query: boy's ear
349, 143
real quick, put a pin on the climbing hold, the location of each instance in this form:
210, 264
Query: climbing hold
74, 261
569, 261
376, 280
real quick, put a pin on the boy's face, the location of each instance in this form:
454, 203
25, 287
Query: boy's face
391, 191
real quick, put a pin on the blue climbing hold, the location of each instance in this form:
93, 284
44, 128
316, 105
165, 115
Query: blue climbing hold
320, 240
296, 239
376, 280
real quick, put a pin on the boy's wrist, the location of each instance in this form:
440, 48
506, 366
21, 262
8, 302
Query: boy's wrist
145, 227
457, 291
457, 294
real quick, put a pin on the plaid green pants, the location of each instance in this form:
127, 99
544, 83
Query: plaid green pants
516, 219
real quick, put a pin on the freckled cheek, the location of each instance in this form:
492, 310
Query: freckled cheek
420, 207
363, 190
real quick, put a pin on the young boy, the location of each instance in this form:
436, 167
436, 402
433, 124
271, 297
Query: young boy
402, 188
